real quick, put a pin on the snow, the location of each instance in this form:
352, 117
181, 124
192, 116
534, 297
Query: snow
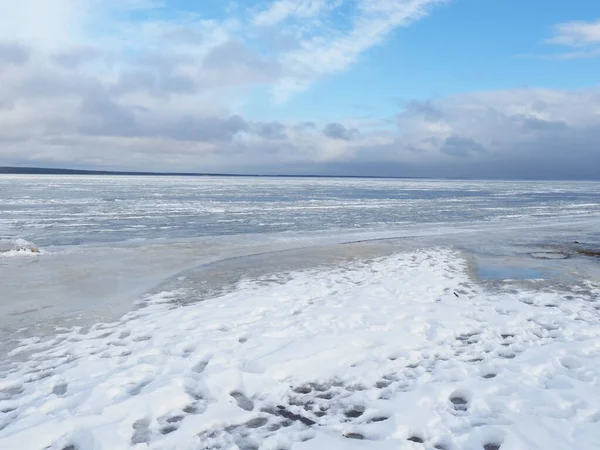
409, 351
18, 247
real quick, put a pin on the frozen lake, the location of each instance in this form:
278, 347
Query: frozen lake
282, 313
106, 240
63, 210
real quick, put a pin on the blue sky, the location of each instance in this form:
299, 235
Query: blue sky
469, 88
462, 46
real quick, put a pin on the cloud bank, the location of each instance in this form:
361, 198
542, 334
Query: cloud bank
133, 85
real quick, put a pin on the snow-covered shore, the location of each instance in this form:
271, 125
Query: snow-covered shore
405, 351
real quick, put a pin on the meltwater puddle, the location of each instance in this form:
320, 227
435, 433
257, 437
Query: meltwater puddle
214, 279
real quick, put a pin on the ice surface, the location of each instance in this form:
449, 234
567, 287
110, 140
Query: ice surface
218, 314
73, 210
406, 351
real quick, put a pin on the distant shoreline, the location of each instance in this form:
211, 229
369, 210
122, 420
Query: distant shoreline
53, 171
11, 170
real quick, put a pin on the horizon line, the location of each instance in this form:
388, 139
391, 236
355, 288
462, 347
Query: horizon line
32, 170
28, 170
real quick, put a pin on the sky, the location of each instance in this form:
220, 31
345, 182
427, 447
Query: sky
418, 88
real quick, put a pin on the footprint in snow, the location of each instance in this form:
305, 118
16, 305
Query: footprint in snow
570, 362
242, 401
168, 429
174, 419
355, 412
257, 422
11, 391
141, 433
60, 389
356, 436
200, 366
460, 400
191, 409
492, 446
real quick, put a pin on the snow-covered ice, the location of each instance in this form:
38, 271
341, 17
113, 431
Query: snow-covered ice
231, 313
405, 351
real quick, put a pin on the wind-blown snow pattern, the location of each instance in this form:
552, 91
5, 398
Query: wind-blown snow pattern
74, 210
407, 351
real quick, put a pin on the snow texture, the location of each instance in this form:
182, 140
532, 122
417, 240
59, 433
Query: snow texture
403, 352
18, 247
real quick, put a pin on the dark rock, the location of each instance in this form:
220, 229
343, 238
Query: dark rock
588, 252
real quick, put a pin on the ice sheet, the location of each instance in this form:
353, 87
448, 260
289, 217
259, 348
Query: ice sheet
74, 210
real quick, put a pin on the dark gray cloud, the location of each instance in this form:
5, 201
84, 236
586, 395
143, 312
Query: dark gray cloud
76, 57
53, 85
336, 130
153, 83
538, 125
13, 53
205, 129
305, 126
108, 117
105, 117
425, 109
154, 110
270, 130
461, 146
157, 74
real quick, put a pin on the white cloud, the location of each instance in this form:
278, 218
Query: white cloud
322, 55
88, 87
71, 49
519, 133
282, 10
576, 34
510, 133
582, 39
53, 24
42, 23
